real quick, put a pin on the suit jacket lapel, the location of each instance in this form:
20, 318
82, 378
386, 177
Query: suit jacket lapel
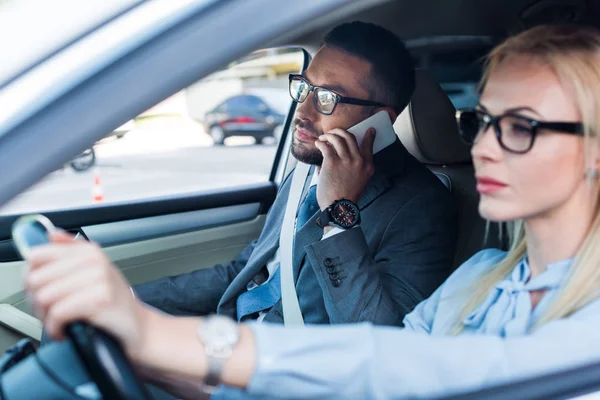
309, 233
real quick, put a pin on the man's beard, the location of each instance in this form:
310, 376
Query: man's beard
300, 151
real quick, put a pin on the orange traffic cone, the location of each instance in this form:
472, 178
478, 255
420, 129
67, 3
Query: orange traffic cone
97, 192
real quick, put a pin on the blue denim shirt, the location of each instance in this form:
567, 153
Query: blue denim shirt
366, 362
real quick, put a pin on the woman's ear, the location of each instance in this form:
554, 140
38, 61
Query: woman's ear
592, 171
594, 155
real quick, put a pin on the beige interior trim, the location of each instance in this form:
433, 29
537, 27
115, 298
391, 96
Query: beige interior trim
139, 261
21, 322
177, 254
223, 235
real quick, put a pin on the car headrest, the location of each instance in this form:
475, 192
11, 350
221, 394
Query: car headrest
427, 126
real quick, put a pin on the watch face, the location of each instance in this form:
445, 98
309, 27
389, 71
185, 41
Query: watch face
219, 333
345, 214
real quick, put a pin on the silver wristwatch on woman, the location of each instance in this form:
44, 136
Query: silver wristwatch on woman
219, 335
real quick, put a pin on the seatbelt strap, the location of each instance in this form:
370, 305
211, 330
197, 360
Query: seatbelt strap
292, 316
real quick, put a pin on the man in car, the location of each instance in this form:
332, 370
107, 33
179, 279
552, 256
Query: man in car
397, 244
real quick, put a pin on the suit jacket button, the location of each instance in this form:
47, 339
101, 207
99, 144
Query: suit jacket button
328, 262
333, 276
330, 270
336, 283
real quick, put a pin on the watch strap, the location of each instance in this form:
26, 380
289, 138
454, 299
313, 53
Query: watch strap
324, 218
213, 373
219, 335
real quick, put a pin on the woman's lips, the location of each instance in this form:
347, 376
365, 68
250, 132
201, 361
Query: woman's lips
487, 185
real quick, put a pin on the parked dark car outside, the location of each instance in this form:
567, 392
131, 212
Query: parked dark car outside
243, 115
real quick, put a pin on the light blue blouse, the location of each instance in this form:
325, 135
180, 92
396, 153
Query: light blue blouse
365, 362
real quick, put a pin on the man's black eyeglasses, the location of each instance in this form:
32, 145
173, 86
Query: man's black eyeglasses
324, 99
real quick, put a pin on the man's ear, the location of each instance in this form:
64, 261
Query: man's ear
391, 112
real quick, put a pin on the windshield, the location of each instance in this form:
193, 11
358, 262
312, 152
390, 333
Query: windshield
42, 27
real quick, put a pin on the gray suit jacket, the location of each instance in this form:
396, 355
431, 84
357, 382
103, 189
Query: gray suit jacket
401, 252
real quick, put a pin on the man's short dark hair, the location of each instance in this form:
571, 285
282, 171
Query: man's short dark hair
393, 72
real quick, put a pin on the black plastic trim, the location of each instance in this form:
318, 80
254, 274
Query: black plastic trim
288, 122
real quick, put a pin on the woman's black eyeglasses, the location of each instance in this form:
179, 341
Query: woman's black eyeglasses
325, 99
516, 133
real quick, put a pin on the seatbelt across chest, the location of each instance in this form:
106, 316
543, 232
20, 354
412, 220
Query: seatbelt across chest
292, 316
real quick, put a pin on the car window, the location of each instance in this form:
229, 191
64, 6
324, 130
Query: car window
256, 103
458, 77
180, 146
456, 63
239, 103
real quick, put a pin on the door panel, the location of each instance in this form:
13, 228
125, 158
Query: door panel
146, 240
20, 322
140, 258
172, 255
254, 200
118, 233
9, 337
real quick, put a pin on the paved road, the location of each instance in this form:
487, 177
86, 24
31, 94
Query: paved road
148, 163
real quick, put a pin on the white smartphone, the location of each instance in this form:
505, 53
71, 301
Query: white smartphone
385, 134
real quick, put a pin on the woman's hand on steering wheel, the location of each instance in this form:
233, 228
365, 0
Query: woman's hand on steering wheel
72, 280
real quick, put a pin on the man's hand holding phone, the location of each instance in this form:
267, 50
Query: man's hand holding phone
346, 168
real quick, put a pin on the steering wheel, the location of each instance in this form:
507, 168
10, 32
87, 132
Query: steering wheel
100, 353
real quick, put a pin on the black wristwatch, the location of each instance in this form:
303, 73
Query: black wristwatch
342, 213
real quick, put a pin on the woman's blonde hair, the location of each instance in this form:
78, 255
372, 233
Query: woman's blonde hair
573, 53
